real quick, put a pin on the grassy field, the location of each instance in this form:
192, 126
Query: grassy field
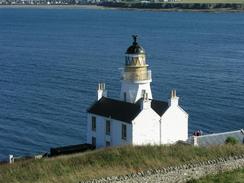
236, 176
109, 162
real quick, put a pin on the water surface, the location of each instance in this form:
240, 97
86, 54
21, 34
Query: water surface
52, 59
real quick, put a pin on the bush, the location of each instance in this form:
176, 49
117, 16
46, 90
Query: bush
231, 140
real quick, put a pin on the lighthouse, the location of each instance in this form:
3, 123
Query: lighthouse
136, 117
136, 77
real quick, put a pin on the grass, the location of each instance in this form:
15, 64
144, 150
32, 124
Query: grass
236, 176
109, 162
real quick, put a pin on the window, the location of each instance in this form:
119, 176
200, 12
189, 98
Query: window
93, 123
127, 59
94, 141
124, 133
143, 92
108, 127
107, 143
125, 96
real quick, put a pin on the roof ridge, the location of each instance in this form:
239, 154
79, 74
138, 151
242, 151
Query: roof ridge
117, 100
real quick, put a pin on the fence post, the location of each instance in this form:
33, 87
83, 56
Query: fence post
11, 158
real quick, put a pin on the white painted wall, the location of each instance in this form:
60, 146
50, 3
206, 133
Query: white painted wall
100, 134
174, 125
88, 129
146, 128
133, 90
117, 133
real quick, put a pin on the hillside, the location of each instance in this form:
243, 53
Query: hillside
211, 1
110, 162
187, 5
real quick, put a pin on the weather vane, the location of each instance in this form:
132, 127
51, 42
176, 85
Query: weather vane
134, 37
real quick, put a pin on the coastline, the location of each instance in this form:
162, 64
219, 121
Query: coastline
44, 6
101, 7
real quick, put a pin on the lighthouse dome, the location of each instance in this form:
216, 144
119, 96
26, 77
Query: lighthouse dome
135, 48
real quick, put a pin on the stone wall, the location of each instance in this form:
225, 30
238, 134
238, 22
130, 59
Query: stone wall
178, 174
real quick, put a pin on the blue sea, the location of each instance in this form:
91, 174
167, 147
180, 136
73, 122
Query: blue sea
52, 59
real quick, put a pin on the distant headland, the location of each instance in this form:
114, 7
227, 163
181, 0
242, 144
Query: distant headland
163, 5
178, 5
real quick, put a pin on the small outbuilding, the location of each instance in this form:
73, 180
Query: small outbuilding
217, 138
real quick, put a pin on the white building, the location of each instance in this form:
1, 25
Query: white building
136, 118
216, 138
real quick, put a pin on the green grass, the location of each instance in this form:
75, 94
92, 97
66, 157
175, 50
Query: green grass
236, 176
109, 162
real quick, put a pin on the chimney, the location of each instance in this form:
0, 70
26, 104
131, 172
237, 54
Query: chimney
101, 91
145, 102
174, 100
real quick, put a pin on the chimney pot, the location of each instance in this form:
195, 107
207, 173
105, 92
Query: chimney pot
172, 93
174, 100
101, 92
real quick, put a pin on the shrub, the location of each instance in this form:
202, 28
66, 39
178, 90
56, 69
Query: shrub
231, 140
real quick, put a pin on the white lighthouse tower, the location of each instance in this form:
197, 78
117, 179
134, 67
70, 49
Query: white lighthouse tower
136, 77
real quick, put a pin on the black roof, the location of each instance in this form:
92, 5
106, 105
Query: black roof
159, 106
135, 48
115, 109
123, 111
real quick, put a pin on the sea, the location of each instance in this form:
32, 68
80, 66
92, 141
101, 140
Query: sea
51, 60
